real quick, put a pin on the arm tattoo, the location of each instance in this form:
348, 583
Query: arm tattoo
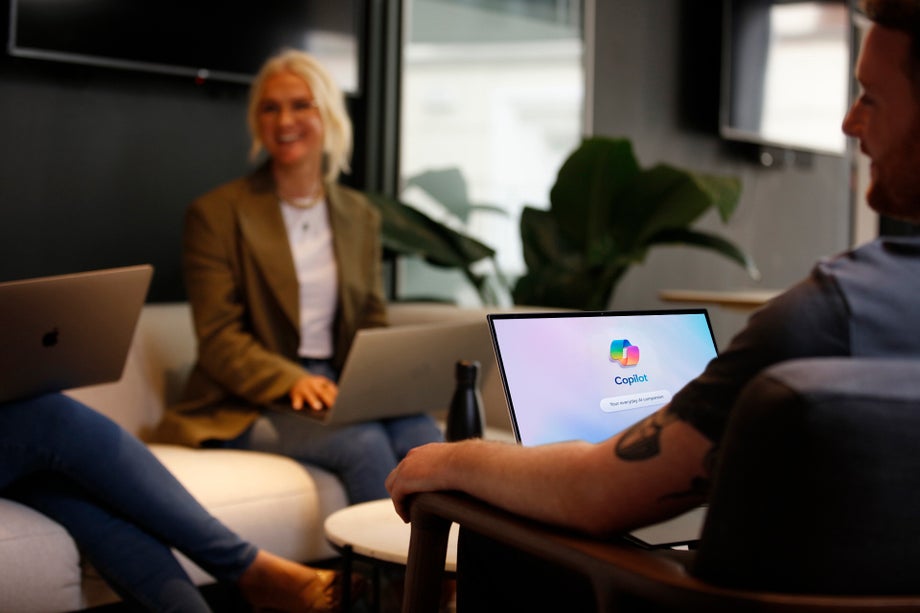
699, 486
642, 441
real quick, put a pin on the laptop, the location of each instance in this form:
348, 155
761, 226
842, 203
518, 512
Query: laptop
403, 370
589, 375
68, 331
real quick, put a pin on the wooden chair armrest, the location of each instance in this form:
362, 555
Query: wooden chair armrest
433, 512
618, 571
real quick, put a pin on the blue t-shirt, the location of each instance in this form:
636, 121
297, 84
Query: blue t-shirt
862, 303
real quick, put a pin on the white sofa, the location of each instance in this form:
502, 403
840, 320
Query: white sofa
275, 502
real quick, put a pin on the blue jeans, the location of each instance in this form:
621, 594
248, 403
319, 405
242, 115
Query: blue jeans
361, 454
121, 505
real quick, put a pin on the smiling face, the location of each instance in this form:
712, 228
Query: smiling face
289, 123
886, 120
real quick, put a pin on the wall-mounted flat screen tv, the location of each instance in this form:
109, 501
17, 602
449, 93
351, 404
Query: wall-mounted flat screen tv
786, 72
205, 40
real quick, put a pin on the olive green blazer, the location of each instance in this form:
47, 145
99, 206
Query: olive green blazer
242, 286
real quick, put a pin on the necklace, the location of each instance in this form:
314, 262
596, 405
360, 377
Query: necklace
301, 221
305, 202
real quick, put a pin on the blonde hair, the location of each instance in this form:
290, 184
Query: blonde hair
337, 141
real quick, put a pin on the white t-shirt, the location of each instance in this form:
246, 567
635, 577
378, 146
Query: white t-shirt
310, 238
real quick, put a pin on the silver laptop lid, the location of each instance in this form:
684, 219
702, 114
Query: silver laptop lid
588, 375
404, 370
68, 331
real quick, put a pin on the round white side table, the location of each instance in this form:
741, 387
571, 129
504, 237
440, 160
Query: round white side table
373, 532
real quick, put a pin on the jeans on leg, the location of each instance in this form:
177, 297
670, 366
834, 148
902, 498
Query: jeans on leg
104, 466
139, 567
361, 454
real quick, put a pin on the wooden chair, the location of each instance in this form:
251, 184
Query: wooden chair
815, 507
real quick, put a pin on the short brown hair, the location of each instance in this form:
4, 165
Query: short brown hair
897, 14
902, 15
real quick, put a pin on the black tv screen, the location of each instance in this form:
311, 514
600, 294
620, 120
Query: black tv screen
204, 40
785, 73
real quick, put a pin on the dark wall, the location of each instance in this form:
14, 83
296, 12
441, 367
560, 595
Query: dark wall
97, 165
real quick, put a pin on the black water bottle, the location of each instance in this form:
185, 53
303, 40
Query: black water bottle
464, 416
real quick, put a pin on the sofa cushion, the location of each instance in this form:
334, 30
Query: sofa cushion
41, 571
270, 500
161, 356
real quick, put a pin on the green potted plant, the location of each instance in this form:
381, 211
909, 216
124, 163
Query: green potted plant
407, 231
605, 214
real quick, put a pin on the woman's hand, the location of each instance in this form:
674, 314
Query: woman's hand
313, 391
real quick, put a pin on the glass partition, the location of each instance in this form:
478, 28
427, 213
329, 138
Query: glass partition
492, 103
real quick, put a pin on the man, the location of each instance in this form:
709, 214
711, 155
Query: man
852, 305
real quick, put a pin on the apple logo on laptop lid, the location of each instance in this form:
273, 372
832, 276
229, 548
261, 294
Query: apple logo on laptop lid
50, 338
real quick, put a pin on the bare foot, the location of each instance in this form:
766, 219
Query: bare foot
276, 584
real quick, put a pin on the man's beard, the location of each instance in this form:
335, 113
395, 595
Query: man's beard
895, 191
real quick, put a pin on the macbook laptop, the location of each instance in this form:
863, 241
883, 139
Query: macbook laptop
589, 375
404, 370
68, 331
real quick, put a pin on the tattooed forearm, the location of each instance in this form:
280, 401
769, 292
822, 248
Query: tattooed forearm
699, 486
643, 440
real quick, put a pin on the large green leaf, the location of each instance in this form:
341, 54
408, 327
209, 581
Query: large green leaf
543, 242
606, 213
567, 287
408, 231
662, 197
558, 274
724, 191
448, 186
584, 197
722, 246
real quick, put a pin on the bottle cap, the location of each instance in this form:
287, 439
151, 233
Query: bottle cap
467, 371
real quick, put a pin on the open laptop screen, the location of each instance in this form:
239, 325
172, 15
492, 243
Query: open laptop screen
589, 375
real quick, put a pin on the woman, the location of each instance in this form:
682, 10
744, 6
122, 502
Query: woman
125, 510
282, 267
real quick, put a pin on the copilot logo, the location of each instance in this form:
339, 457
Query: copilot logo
624, 353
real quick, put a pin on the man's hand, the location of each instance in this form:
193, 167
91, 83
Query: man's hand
424, 469
313, 391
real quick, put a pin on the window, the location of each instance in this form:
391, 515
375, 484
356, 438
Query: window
492, 103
